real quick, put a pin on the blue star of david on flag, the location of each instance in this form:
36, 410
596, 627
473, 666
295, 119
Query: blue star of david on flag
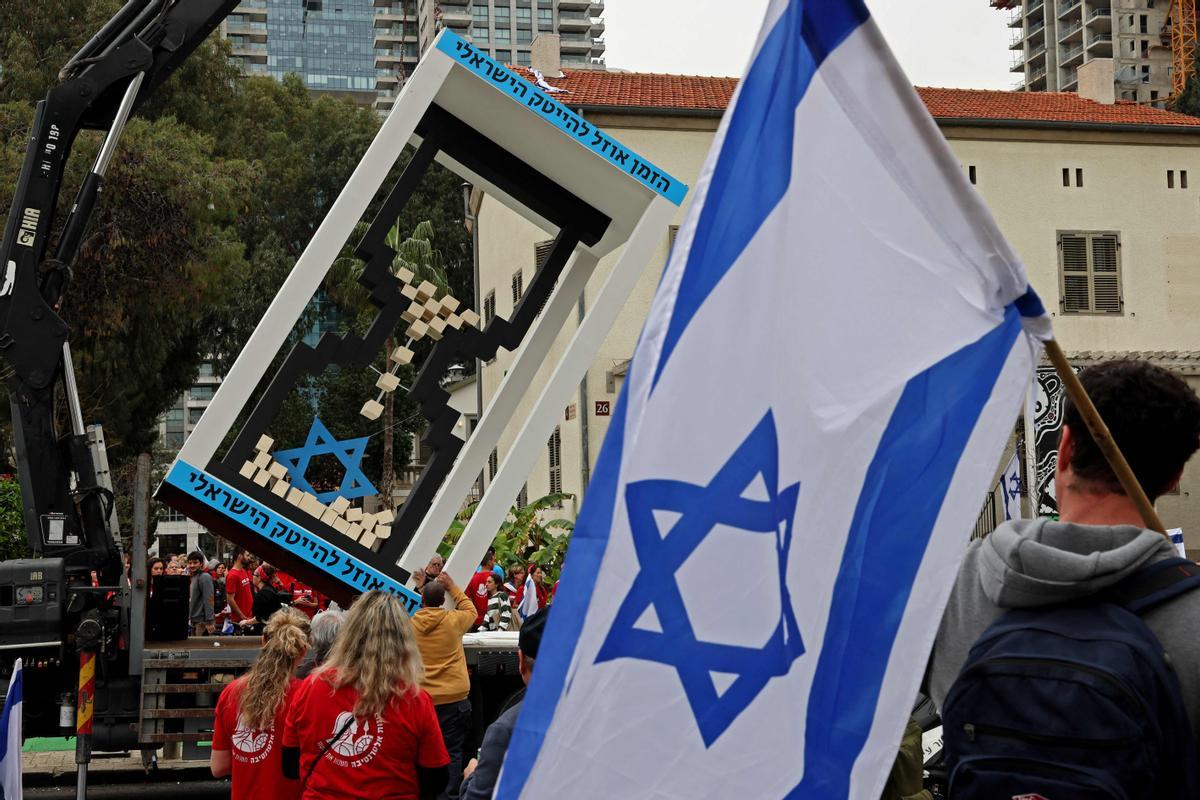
660, 555
321, 442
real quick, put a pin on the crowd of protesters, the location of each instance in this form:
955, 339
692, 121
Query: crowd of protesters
236, 598
364, 702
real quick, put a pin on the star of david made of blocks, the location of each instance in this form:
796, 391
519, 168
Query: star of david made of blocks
661, 554
321, 442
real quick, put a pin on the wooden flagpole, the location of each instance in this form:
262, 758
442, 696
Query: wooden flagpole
1102, 437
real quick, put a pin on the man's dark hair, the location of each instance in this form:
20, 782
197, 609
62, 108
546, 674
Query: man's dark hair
529, 639
433, 595
1153, 415
195, 556
490, 555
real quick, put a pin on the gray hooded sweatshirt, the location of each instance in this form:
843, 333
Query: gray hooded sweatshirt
1034, 563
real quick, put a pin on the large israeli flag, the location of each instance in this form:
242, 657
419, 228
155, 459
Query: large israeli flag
10, 737
834, 359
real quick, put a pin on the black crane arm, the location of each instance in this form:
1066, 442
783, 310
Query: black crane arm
99, 87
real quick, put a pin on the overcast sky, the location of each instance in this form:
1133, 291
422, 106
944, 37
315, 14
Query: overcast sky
953, 43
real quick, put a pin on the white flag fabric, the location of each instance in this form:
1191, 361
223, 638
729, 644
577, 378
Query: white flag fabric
829, 371
1010, 488
10, 737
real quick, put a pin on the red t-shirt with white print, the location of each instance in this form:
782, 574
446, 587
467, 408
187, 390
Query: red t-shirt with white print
375, 757
256, 762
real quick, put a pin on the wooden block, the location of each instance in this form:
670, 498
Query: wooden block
371, 410
426, 290
353, 514
470, 318
412, 313
265, 443
367, 540
262, 460
277, 470
454, 321
340, 504
405, 275
312, 506
329, 516
427, 316
295, 497
354, 532
417, 330
402, 355
280, 488
449, 305
409, 291
261, 477
386, 516
340, 525
436, 326
388, 382
383, 531
248, 469
367, 522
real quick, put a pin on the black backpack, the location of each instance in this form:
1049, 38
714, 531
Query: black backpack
1077, 701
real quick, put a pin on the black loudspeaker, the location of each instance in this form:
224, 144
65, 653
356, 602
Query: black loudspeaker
167, 609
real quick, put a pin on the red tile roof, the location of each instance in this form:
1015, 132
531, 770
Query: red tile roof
698, 93
1045, 107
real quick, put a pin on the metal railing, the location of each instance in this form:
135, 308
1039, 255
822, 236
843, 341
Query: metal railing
988, 519
1070, 54
1100, 12
1070, 29
1067, 9
1099, 38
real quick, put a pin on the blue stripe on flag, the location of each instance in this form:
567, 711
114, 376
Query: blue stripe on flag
588, 543
901, 499
755, 166
16, 693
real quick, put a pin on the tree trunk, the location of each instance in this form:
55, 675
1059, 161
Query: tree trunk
387, 477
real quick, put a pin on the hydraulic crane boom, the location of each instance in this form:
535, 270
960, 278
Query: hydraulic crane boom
66, 512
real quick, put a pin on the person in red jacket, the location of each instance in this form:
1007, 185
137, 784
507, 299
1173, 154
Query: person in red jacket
238, 593
250, 715
360, 726
477, 587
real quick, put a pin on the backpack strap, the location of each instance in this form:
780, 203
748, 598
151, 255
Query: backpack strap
1149, 588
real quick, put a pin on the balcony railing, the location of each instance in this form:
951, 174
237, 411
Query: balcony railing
1100, 12
1074, 52
1069, 30
1100, 38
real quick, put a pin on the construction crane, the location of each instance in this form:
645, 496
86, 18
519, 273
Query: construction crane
1182, 22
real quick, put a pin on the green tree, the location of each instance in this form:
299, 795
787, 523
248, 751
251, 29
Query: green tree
1188, 101
524, 535
13, 543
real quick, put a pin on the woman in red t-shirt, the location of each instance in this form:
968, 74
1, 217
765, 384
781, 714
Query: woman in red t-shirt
250, 714
360, 725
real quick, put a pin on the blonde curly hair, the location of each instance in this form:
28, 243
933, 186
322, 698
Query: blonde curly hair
285, 639
376, 653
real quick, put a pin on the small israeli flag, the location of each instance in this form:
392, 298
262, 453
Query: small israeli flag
10, 737
827, 377
1010, 488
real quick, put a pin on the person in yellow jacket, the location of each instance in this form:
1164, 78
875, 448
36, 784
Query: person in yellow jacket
439, 637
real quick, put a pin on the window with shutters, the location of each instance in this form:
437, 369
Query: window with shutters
523, 496
489, 308
555, 448
541, 251
672, 235
1089, 269
493, 464
518, 286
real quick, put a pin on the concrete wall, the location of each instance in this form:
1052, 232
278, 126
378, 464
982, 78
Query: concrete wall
1019, 174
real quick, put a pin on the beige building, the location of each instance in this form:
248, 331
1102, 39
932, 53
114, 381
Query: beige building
1095, 197
1051, 39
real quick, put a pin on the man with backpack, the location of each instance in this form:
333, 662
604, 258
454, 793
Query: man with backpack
1068, 660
